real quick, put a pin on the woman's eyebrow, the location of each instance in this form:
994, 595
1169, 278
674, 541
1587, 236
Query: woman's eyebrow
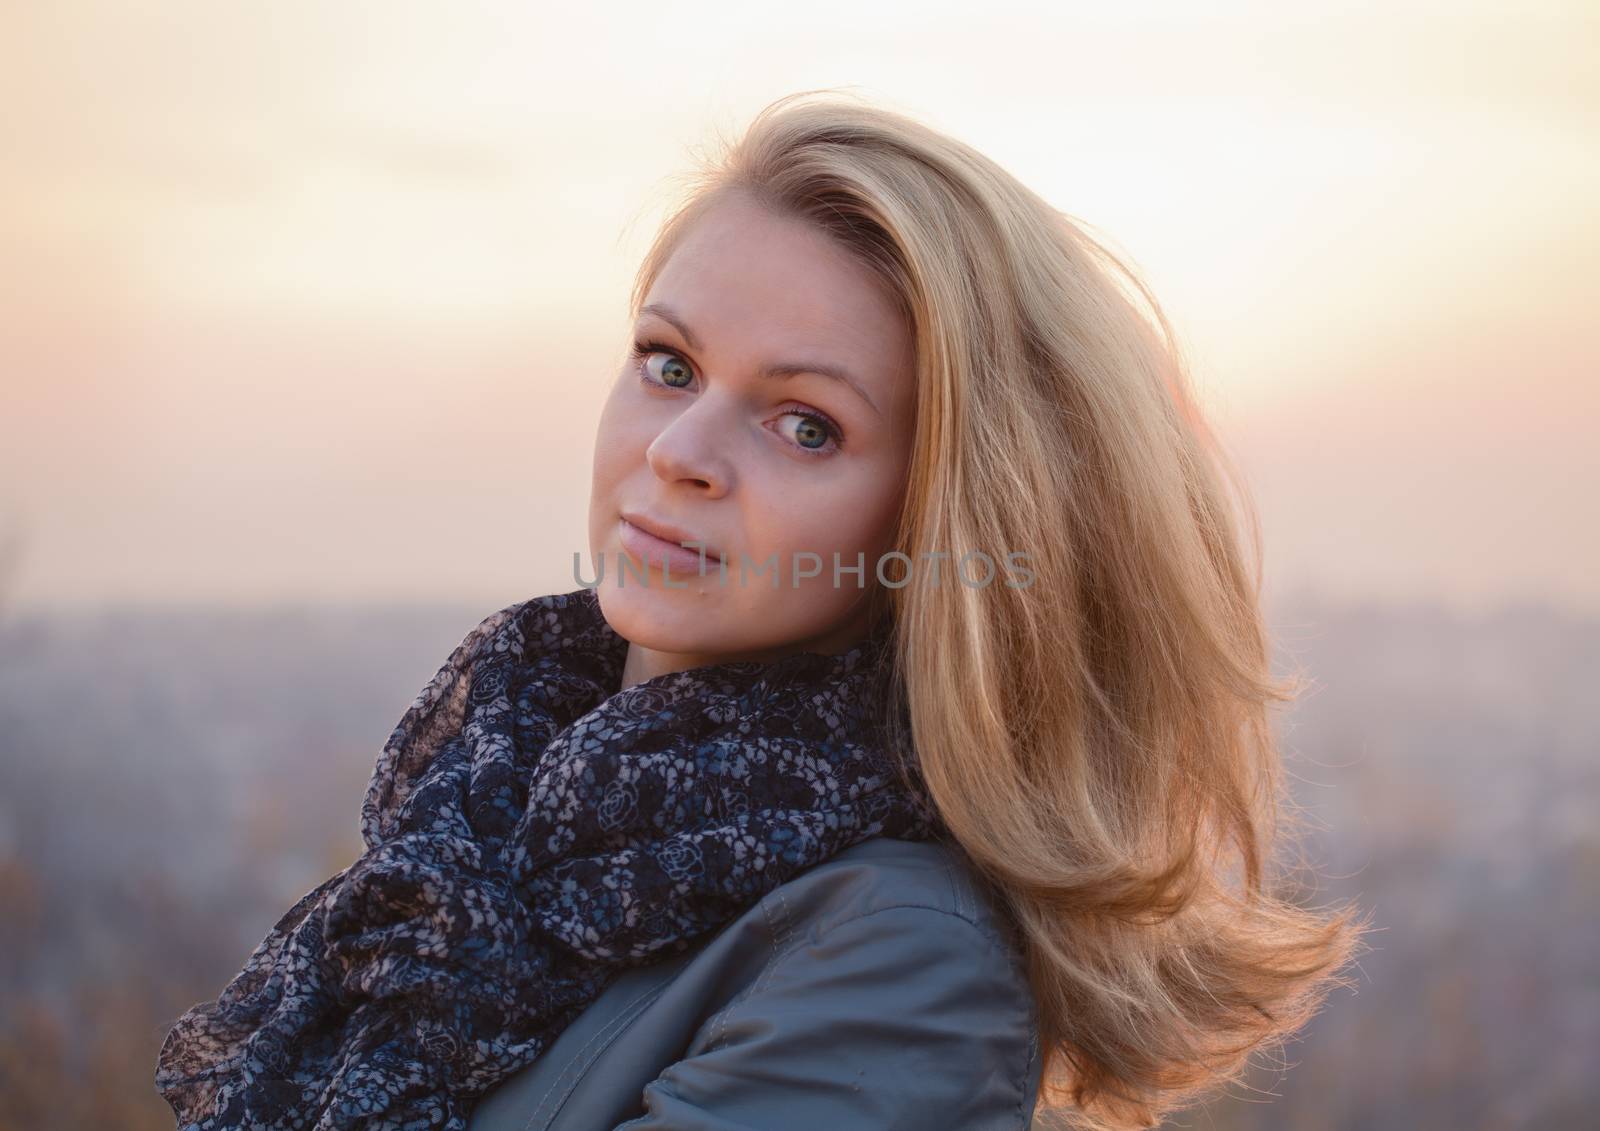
776, 369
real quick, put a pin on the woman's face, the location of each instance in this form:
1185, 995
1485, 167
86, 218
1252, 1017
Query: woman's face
729, 428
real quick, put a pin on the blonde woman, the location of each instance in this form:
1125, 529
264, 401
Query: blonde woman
901, 759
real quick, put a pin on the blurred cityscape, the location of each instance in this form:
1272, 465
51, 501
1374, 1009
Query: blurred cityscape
172, 780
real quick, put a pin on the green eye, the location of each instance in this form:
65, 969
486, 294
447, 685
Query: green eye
815, 435
814, 432
810, 434
674, 373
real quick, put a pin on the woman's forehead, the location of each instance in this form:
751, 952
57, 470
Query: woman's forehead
773, 289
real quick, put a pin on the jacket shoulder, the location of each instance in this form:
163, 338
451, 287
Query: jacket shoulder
882, 874
890, 998
878, 989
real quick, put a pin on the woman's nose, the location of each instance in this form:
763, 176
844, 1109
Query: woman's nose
693, 448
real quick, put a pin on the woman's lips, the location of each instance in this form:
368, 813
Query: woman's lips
656, 551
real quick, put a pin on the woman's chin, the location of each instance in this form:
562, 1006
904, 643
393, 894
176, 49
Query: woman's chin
689, 619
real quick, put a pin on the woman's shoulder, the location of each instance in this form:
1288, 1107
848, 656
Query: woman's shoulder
910, 929
888, 874
889, 992
878, 988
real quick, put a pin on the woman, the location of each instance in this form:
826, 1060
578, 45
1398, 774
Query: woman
905, 762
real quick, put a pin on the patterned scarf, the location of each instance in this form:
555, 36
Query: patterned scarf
531, 831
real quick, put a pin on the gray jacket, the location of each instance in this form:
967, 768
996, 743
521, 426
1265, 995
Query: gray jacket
878, 990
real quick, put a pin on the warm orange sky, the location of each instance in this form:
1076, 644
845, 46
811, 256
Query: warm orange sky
321, 299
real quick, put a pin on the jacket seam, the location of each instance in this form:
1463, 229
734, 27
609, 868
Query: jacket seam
955, 884
1023, 1120
779, 948
609, 1031
1032, 1024
775, 959
782, 928
960, 914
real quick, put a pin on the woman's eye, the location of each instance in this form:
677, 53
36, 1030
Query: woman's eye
813, 432
660, 365
672, 371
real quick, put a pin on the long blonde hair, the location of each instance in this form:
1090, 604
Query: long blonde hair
1098, 742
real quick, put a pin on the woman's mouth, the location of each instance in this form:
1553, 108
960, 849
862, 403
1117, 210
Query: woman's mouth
662, 554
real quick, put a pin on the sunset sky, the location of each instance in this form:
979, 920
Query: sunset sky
321, 300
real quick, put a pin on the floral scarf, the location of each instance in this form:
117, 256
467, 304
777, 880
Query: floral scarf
531, 831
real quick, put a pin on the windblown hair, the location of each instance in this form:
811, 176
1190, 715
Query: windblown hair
1099, 741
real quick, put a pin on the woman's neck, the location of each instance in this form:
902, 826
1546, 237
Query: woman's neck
646, 663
